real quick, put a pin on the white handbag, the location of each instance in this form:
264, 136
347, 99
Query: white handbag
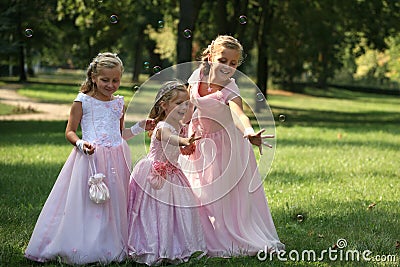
98, 190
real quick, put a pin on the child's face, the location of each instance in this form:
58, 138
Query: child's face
224, 62
176, 108
108, 81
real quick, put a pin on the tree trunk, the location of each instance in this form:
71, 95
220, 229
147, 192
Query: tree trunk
22, 73
188, 12
221, 17
137, 61
21, 52
186, 22
262, 43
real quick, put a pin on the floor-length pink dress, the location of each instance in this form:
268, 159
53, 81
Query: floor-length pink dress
164, 224
71, 227
224, 175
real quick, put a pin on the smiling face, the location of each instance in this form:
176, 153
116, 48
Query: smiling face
176, 107
224, 62
107, 82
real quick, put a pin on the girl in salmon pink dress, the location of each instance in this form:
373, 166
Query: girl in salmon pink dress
223, 170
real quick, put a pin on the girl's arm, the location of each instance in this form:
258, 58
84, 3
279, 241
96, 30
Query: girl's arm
164, 134
240, 119
139, 127
242, 122
75, 117
122, 122
188, 115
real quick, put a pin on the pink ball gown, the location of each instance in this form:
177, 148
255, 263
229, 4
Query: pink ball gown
164, 224
71, 227
224, 175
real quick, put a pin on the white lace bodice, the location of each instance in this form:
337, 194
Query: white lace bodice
101, 120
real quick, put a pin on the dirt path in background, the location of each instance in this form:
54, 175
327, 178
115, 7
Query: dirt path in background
44, 111
48, 111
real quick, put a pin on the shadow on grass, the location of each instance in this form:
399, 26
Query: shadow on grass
326, 119
334, 141
32, 132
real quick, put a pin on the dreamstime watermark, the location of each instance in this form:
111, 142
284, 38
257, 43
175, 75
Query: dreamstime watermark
337, 253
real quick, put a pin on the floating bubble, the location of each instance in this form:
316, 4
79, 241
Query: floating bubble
156, 69
242, 19
300, 218
260, 97
135, 87
28, 33
146, 65
114, 19
187, 33
282, 118
160, 24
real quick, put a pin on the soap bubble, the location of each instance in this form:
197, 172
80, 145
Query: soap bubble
187, 33
242, 19
260, 97
28, 33
114, 19
156, 69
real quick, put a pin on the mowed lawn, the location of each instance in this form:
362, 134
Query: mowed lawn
333, 187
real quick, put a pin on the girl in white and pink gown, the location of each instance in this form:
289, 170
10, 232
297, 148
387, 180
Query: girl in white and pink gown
71, 227
223, 170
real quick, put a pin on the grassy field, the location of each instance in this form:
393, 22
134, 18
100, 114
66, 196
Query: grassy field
335, 175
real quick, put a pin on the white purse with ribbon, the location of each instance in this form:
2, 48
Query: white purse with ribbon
98, 190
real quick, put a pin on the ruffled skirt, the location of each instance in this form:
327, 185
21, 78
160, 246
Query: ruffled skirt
234, 211
73, 228
164, 224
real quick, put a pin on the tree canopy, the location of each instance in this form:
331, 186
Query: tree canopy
285, 41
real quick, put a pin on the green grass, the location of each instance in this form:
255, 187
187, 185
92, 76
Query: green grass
336, 153
6, 109
60, 94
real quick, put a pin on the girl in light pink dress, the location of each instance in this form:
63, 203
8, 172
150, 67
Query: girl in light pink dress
223, 170
164, 224
71, 227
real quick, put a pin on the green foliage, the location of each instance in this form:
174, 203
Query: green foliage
302, 40
393, 54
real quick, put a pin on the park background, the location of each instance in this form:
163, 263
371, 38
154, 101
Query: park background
331, 68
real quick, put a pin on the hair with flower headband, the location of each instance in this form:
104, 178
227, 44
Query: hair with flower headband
225, 41
167, 92
101, 61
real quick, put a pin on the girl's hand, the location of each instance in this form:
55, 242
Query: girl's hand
149, 124
257, 139
191, 147
85, 147
193, 138
188, 150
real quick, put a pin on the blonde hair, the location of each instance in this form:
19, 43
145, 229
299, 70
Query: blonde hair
167, 92
225, 41
101, 61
